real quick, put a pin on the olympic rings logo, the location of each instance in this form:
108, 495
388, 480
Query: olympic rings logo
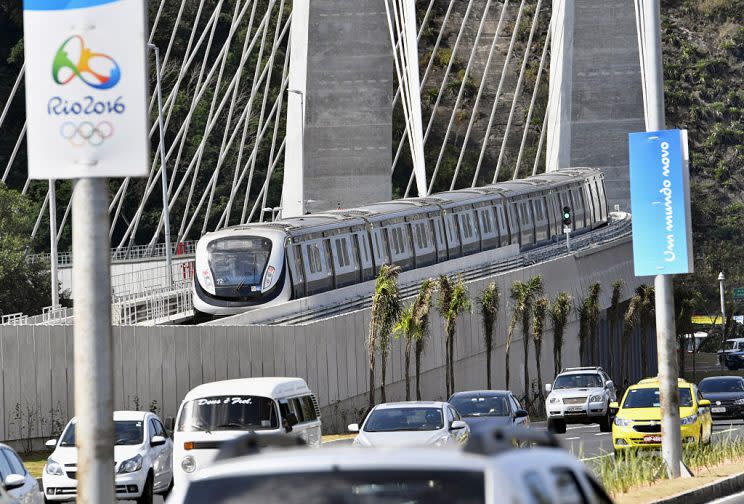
85, 132
74, 59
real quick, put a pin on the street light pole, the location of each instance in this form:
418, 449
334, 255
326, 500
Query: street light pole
163, 170
650, 52
721, 286
53, 244
302, 149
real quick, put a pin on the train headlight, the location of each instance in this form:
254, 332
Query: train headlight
268, 277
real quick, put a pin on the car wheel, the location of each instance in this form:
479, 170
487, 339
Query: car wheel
605, 425
557, 426
146, 497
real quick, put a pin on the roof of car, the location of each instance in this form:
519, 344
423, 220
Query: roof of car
265, 387
580, 370
410, 404
125, 415
654, 382
466, 393
711, 378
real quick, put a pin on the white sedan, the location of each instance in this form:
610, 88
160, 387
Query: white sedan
19, 484
143, 455
413, 423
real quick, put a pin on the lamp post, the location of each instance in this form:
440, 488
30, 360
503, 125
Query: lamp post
721, 286
302, 149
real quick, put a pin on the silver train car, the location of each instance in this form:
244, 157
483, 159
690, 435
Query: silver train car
261, 264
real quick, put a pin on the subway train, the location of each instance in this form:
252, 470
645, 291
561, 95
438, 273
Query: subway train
260, 264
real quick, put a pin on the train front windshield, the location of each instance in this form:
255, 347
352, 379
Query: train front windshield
238, 264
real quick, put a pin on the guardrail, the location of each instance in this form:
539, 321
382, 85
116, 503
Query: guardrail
186, 248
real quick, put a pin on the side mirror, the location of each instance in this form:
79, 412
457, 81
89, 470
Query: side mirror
457, 425
520, 413
354, 427
51, 444
614, 406
609, 384
170, 423
548, 387
157, 441
704, 403
14, 481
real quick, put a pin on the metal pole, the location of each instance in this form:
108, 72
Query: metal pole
53, 243
163, 168
671, 447
94, 390
721, 280
302, 149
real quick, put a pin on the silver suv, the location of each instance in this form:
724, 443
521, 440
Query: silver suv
580, 395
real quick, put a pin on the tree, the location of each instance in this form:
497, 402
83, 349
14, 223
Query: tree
618, 286
407, 328
640, 313
489, 308
421, 308
386, 308
454, 299
686, 303
558, 312
26, 283
522, 294
539, 311
589, 320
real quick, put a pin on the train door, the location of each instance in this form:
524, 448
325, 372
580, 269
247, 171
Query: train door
439, 238
468, 232
318, 273
423, 243
345, 265
578, 207
488, 228
361, 246
379, 248
504, 235
526, 222
515, 226
296, 270
453, 236
540, 218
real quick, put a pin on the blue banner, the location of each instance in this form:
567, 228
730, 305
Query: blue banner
660, 203
62, 4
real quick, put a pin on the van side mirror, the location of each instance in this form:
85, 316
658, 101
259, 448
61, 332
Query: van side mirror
51, 444
14, 481
548, 387
157, 441
170, 423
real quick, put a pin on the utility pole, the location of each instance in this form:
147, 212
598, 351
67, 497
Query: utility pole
650, 52
721, 280
53, 243
163, 170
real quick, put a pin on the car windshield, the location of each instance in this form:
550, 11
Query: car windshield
404, 419
228, 413
713, 385
649, 398
127, 432
734, 345
343, 487
476, 406
587, 380
239, 262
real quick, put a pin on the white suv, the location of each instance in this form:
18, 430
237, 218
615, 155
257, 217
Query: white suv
488, 470
143, 456
580, 395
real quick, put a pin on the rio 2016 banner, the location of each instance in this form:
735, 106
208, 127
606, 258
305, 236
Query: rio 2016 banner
660, 203
86, 88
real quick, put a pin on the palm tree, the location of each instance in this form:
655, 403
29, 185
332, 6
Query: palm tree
618, 286
489, 307
386, 308
641, 313
421, 307
444, 299
558, 312
539, 311
592, 320
686, 303
406, 327
523, 295
459, 301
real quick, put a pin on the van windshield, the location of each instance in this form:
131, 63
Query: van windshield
228, 413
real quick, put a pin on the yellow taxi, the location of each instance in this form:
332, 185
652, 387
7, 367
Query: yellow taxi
637, 423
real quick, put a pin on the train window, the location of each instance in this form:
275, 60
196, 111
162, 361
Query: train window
339, 255
313, 257
328, 256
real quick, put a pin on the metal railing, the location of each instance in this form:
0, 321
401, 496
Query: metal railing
136, 252
154, 307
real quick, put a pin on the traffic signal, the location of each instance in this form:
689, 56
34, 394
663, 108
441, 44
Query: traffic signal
566, 216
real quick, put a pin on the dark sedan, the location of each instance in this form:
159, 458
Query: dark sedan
489, 408
726, 396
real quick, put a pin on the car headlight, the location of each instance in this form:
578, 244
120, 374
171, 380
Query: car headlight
688, 420
188, 464
131, 465
596, 398
555, 400
54, 468
739, 402
623, 422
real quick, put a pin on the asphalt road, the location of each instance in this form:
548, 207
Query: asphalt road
586, 442
731, 499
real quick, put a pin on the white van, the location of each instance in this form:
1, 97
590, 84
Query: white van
213, 413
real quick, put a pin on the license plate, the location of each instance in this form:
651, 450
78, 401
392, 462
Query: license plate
574, 409
719, 409
652, 439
